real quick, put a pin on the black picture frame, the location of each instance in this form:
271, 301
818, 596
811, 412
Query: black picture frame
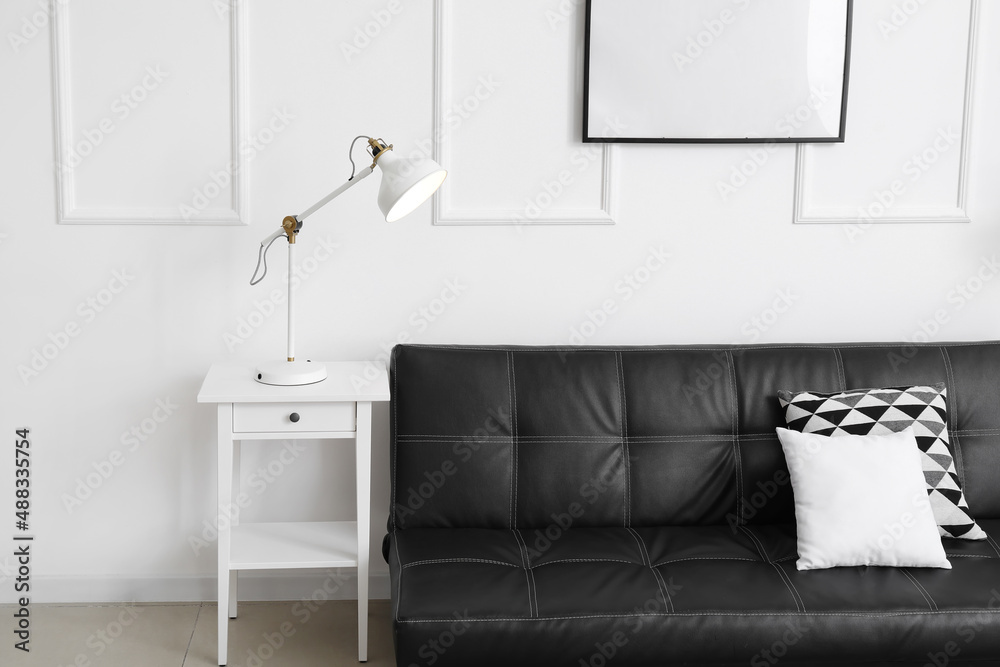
592, 137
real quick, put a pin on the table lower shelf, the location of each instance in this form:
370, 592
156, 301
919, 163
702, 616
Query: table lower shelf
309, 544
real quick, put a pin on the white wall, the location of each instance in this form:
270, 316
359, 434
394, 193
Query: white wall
729, 259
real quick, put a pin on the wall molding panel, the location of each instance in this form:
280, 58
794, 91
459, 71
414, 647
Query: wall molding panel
956, 212
444, 212
68, 211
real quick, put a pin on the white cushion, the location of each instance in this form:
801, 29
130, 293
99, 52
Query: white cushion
861, 500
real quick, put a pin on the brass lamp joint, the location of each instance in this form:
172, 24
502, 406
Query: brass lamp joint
291, 225
378, 147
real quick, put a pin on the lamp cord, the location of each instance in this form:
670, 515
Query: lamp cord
350, 155
262, 258
262, 253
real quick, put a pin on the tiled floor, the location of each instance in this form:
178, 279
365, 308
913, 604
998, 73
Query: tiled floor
266, 634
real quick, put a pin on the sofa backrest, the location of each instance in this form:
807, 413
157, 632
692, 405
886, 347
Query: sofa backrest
534, 437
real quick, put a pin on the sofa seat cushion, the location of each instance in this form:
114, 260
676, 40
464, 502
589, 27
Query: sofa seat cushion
494, 583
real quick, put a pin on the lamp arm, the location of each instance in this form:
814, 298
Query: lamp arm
282, 231
336, 193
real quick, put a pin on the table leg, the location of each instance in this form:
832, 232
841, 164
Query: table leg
225, 444
364, 463
234, 521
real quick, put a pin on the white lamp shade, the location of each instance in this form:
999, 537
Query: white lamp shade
406, 183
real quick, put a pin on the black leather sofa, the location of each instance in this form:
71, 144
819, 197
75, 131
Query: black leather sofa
631, 506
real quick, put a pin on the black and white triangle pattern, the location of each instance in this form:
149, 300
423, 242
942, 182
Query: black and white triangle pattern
891, 410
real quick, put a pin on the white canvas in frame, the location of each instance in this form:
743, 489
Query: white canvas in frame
718, 71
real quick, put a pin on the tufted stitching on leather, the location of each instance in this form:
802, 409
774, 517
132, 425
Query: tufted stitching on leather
531, 571
627, 490
989, 538
664, 592
956, 447
681, 560
513, 431
642, 551
796, 598
517, 453
738, 462
969, 556
840, 369
699, 614
399, 579
586, 560
522, 548
784, 558
927, 596
434, 561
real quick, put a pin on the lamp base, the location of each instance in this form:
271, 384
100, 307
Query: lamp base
290, 373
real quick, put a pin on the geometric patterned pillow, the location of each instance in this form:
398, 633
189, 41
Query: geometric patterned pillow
891, 410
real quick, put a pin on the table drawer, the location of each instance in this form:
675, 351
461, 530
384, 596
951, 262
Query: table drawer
292, 417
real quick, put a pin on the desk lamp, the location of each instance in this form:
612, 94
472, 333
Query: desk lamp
406, 184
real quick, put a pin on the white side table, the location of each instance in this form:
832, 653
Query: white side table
336, 408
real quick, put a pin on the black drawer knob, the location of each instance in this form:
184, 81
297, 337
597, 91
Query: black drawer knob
294, 417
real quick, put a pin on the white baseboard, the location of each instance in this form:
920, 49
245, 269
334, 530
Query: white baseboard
253, 587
